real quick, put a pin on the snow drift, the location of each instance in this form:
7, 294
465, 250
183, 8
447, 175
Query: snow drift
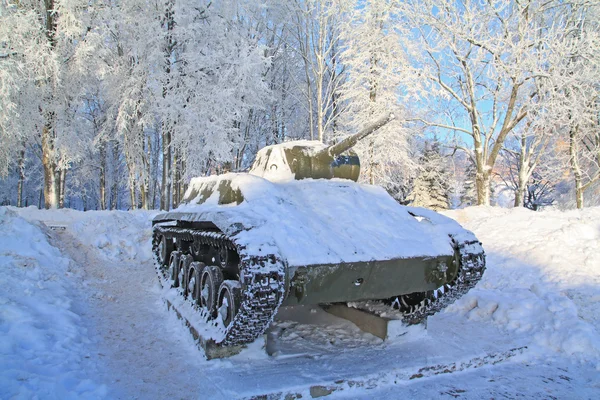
43, 341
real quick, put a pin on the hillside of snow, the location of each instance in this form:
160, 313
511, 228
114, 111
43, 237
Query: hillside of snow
81, 316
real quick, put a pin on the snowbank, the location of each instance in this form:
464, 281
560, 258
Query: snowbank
119, 235
543, 277
43, 341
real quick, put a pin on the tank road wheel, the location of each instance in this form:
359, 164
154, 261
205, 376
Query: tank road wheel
194, 277
182, 272
165, 247
174, 268
210, 282
229, 301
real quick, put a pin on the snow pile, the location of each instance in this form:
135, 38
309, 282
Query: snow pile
312, 222
43, 344
543, 277
118, 235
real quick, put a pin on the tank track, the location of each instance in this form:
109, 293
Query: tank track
471, 267
262, 279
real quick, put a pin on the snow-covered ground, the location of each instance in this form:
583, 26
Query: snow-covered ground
81, 316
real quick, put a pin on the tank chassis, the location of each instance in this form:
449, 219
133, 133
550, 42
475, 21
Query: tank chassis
235, 287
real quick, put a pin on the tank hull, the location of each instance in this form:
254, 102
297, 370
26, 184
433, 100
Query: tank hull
374, 280
347, 281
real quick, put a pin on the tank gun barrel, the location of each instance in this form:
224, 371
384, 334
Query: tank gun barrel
350, 141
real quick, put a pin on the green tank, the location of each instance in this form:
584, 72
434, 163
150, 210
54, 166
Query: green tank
298, 229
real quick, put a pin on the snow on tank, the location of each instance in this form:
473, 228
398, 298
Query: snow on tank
313, 222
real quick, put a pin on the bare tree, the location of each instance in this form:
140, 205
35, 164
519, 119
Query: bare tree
316, 29
484, 57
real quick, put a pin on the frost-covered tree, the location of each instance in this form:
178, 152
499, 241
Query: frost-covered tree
539, 193
468, 195
379, 79
315, 36
485, 59
522, 154
218, 86
574, 95
432, 185
40, 62
185, 78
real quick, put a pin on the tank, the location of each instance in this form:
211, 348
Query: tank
299, 229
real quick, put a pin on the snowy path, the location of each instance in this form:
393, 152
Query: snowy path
142, 358
140, 350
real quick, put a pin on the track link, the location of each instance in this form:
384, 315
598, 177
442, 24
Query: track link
261, 277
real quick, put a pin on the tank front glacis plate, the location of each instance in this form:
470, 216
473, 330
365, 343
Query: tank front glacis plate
372, 280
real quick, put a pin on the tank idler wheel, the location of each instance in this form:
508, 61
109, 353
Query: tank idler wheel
210, 282
229, 301
182, 272
174, 268
194, 278
165, 248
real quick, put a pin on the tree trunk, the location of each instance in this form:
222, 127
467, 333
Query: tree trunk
166, 171
519, 196
182, 185
61, 185
175, 200
319, 93
574, 161
21, 166
147, 178
482, 182
51, 190
372, 162
114, 191
169, 23
144, 196
522, 183
102, 151
132, 198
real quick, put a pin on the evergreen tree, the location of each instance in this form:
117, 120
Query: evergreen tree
431, 188
468, 196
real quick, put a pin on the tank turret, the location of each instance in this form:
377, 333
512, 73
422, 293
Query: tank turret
312, 159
